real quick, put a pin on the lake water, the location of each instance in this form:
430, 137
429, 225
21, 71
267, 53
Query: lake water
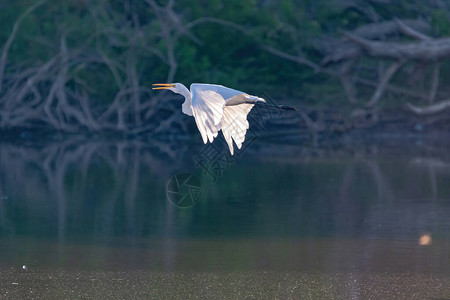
350, 221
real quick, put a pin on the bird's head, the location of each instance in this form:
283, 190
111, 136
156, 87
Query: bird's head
178, 88
174, 87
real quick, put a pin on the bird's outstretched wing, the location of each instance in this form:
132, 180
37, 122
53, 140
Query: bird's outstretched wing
224, 91
233, 116
242, 99
207, 107
231, 96
235, 124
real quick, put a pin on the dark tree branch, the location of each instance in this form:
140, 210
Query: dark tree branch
429, 110
411, 32
429, 50
297, 59
434, 83
384, 81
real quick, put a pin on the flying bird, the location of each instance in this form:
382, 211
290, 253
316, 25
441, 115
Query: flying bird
216, 107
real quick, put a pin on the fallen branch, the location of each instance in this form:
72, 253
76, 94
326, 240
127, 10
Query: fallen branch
384, 81
384, 29
434, 83
393, 88
429, 110
428, 50
336, 50
411, 32
297, 59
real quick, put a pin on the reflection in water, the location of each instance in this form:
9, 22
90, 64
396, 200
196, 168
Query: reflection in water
105, 205
61, 181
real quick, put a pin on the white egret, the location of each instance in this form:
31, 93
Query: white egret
215, 108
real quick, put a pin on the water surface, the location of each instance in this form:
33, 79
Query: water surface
108, 207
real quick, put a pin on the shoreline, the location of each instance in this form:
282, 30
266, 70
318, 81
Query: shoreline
139, 284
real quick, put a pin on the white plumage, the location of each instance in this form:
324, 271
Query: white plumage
235, 124
215, 108
208, 107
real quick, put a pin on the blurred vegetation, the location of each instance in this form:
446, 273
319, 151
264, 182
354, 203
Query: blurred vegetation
124, 46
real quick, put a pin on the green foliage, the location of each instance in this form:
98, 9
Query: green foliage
440, 22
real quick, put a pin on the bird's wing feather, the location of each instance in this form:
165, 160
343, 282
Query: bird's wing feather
224, 91
243, 98
207, 107
235, 124
227, 93
233, 116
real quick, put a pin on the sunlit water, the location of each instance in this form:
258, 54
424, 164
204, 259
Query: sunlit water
110, 206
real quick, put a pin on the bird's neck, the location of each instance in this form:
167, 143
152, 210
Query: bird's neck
185, 92
187, 105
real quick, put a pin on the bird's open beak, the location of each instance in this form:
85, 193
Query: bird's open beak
160, 86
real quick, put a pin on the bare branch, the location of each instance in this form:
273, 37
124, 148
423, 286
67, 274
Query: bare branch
218, 21
297, 59
347, 81
434, 83
429, 110
384, 29
429, 50
394, 89
384, 81
411, 32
